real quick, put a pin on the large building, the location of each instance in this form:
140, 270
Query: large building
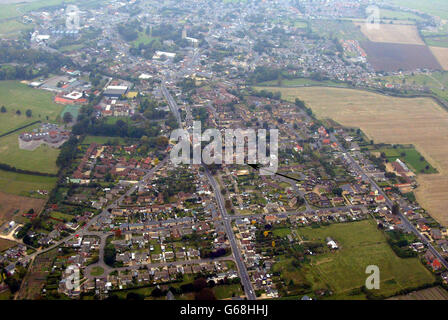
115, 91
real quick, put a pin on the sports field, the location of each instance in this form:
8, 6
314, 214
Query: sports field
420, 122
361, 244
17, 96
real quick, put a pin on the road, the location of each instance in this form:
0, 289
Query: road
85, 229
390, 204
244, 275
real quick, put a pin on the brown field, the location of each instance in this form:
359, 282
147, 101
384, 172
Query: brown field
421, 122
392, 33
396, 57
6, 244
441, 55
435, 293
9, 204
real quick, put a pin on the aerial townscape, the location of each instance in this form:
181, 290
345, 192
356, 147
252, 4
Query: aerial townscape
92, 206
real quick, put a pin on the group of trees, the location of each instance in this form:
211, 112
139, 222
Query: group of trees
31, 63
89, 124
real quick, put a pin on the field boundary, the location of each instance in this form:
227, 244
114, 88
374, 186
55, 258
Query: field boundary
440, 101
20, 128
7, 167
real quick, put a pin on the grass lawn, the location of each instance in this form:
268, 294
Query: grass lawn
281, 232
17, 96
43, 159
24, 184
227, 291
411, 157
97, 271
61, 216
102, 140
361, 244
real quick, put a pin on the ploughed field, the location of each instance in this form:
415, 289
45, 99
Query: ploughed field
396, 56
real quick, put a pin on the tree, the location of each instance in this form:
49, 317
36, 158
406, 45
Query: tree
3, 109
199, 284
205, 294
29, 113
395, 209
68, 117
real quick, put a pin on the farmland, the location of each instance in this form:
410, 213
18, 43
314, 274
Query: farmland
434, 7
24, 184
17, 96
6, 244
436, 293
395, 57
392, 33
10, 205
436, 81
361, 244
387, 120
442, 56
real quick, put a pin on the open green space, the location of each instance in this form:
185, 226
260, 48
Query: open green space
301, 82
24, 184
399, 15
43, 159
434, 7
413, 159
97, 271
102, 140
62, 216
17, 96
341, 29
343, 271
437, 82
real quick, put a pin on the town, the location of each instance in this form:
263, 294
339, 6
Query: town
98, 202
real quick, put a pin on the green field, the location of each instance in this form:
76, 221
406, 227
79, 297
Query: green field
17, 96
14, 10
299, 82
43, 159
411, 157
434, 7
361, 244
436, 81
97, 271
102, 140
73, 109
346, 30
11, 28
24, 184
399, 15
